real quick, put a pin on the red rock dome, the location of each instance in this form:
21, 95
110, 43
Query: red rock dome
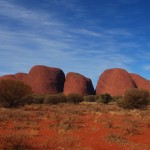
5, 77
24, 77
46, 79
140, 82
115, 82
77, 83
42, 79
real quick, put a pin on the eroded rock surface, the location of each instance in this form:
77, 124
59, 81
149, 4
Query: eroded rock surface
141, 82
42, 79
77, 83
115, 82
46, 79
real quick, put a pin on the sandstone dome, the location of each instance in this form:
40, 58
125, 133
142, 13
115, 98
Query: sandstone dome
46, 80
141, 82
115, 82
77, 83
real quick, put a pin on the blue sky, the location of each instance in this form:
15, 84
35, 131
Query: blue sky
84, 36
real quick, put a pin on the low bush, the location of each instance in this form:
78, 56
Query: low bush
38, 98
115, 138
116, 98
12, 92
74, 98
34, 98
55, 99
90, 98
104, 98
134, 98
61, 98
51, 99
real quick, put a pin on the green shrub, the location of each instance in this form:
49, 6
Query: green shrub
51, 99
74, 98
38, 98
27, 100
116, 98
61, 98
134, 98
104, 98
34, 98
55, 99
12, 92
90, 98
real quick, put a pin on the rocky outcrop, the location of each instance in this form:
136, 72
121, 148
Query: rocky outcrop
6, 77
140, 82
77, 83
115, 82
42, 79
24, 77
46, 79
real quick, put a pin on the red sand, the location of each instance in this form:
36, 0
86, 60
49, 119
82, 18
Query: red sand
91, 135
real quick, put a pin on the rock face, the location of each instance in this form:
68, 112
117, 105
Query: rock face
140, 82
42, 79
46, 79
24, 77
5, 77
115, 82
77, 83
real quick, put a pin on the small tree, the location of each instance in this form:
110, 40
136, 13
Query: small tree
90, 98
51, 99
134, 98
55, 99
11, 92
33, 99
116, 98
74, 98
62, 98
104, 98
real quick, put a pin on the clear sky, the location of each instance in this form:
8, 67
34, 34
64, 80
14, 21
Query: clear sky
84, 36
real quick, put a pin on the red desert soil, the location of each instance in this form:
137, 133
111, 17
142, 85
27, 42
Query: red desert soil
76, 127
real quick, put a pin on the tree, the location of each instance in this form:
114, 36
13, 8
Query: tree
104, 98
11, 92
134, 98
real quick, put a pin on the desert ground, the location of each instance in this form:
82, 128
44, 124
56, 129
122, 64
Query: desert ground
84, 126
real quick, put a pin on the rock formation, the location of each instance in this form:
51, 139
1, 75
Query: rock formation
46, 79
5, 77
42, 79
77, 83
140, 82
115, 82
24, 77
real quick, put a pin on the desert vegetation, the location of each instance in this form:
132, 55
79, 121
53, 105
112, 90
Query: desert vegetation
88, 125
17, 93
134, 98
12, 92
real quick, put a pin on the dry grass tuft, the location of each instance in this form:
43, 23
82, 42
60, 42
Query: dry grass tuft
115, 138
16, 142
